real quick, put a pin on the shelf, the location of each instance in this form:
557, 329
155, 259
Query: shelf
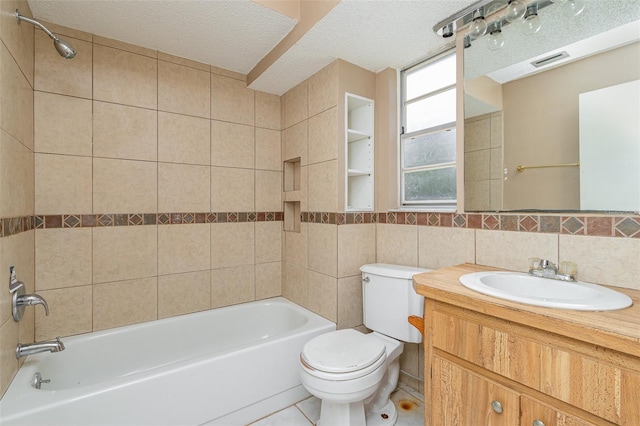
356, 135
358, 172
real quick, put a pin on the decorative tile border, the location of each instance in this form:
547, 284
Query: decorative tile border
602, 226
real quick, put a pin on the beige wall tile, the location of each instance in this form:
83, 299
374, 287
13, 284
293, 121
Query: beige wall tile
323, 295
124, 303
16, 102
268, 191
230, 286
232, 145
295, 246
183, 89
295, 285
496, 163
180, 294
442, 247
120, 45
58, 75
397, 244
323, 187
230, 74
268, 242
16, 250
323, 248
70, 312
62, 124
16, 177
268, 150
477, 195
349, 302
231, 100
182, 61
512, 250
294, 143
296, 105
63, 258
183, 248
68, 32
496, 129
124, 77
356, 247
121, 131
8, 362
602, 260
410, 359
232, 190
323, 89
477, 165
183, 188
63, 184
183, 139
18, 37
124, 252
123, 186
267, 111
477, 134
232, 244
323, 136
268, 280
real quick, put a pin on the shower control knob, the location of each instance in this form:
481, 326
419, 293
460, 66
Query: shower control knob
497, 406
538, 423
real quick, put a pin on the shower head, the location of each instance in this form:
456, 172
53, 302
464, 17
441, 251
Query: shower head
62, 47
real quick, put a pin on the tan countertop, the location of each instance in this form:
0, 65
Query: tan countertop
619, 330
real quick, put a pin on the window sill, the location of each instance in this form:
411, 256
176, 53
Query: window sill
424, 209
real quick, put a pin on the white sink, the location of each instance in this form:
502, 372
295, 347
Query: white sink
524, 288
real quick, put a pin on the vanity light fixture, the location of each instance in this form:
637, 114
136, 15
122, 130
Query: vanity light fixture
531, 23
522, 11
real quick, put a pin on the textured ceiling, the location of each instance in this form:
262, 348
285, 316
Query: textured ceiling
236, 34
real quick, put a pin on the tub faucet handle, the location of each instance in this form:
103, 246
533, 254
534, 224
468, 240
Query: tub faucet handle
33, 299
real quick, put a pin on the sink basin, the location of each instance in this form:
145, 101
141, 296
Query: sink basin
525, 288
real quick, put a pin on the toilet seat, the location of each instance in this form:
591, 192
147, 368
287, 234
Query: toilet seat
343, 355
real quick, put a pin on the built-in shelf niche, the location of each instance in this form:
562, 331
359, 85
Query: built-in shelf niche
292, 216
291, 175
291, 185
359, 126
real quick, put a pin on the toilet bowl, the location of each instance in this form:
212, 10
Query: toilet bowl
350, 378
354, 373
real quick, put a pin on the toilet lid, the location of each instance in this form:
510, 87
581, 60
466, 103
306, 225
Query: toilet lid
342, 351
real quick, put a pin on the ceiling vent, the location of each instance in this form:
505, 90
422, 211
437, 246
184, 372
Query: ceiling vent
550, 59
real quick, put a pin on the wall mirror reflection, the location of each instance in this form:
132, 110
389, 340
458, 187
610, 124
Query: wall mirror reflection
552, 110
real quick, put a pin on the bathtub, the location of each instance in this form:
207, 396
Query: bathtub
227, 366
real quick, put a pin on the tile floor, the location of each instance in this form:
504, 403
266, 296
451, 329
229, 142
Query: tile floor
410, 405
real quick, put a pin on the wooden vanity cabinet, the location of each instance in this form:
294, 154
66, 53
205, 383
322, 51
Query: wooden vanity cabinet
486, 366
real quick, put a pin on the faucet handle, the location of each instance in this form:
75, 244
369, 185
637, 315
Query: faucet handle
33, 299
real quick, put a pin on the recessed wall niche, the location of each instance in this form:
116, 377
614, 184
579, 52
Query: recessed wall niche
291, 184
292, 216
292, 175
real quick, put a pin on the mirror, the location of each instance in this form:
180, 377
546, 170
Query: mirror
570, 125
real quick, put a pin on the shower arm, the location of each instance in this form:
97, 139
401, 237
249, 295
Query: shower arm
36, 23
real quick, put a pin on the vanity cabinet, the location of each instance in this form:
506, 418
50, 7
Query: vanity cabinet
507, 364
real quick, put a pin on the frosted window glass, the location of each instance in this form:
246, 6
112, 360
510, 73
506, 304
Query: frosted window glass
436, 185
432, 148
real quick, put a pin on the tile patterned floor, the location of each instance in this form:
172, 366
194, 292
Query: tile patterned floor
410, 405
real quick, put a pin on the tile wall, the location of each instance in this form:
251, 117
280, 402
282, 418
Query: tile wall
157, 186
16, 178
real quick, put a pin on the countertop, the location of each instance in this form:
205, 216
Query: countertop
618, 330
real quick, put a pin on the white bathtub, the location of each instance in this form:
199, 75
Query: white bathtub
226, 366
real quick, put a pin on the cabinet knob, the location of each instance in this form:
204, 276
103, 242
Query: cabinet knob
538, 423
497, 407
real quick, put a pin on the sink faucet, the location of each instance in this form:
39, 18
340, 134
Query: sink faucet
37, 347
546, 269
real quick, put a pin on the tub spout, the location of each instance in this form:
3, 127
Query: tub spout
37, 347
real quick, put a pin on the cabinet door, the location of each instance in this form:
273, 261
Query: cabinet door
535, 413
461, 397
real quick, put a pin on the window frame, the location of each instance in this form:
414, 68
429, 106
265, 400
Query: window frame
436, 205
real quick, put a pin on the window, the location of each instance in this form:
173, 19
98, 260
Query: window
428, 140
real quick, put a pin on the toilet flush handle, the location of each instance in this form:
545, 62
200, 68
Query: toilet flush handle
366, 280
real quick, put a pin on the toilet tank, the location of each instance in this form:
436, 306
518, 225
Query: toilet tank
388, 299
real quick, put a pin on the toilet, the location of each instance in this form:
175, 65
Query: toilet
354, 373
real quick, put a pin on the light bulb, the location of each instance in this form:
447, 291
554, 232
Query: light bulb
531, 24
515, 10
495, 40
478, 28
572, 7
